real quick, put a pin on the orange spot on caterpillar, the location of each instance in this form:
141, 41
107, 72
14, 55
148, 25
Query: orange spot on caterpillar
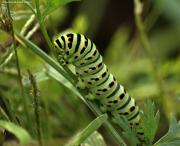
117, 98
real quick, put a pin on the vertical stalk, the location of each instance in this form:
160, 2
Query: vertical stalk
35, 94
17, 63
107, 124
147, 46
42, 26
45, 34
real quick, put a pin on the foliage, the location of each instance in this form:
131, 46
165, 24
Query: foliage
147, 63
128, 133
22, 135
173, 135
54, 4
95, 139
150, 120
83, 136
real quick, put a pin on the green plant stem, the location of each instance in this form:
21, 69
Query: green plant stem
153, 15
147, 46
26, 3
58, 68
27, 24
43, 55
42, 26
35, 93
3, 114
45, 34
8, 106
44, 31
17, 63
107, 124
5, 59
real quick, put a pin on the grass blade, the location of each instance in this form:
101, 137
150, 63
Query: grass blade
93, 126
18, 131
35, 94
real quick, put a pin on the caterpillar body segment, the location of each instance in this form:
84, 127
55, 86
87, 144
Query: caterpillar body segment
94, 75
91, 68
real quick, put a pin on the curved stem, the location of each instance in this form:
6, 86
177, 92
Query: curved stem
42, 25
147, 46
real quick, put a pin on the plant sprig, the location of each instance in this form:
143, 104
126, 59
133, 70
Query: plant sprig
138, 7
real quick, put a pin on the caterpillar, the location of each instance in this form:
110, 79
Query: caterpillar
94, 75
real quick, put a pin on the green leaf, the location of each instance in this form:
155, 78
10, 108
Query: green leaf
54, 74
92, 127
54, 4
149, 120
95, 139
3, 114
18, 131
128, 133
172, 138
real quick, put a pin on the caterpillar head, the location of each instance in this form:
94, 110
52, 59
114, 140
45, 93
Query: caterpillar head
59, 44
63, 42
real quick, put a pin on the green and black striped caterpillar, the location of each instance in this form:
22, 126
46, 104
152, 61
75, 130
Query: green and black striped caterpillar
93, 74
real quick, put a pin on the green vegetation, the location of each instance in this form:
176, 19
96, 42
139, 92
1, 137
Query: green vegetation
39, 104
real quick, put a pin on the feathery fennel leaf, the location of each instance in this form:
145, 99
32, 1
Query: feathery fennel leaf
149, 120
172, 137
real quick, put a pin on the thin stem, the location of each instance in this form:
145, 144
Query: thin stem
147, 46
17, 63
44, 31
39, 52
29, 6
32, 31
42, 26
9, 71
74, 78
27, 24
107, 124
35, 93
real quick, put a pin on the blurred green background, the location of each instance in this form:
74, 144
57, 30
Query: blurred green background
111, 25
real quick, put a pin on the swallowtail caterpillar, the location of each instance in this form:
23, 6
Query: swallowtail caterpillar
94, 75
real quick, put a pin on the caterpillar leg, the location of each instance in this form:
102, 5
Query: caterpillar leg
90, 96
61, 60
102, 108
80, 84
